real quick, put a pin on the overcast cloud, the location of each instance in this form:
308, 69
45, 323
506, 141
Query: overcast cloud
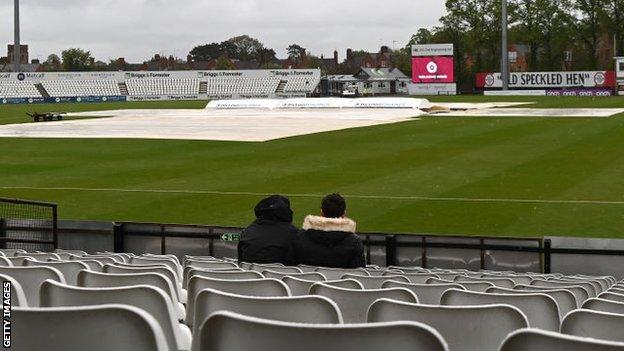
137, 29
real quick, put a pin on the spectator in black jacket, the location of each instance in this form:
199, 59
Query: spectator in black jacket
269, 238
329, 240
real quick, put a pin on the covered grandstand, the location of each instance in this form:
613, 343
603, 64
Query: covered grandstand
141, 86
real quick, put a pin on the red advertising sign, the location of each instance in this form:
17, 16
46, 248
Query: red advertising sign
436, 69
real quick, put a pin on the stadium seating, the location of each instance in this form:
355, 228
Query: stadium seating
535, 339
81, 88
70, 269
274, 298
594, 324
299, 85
354, 303
160, 87
152, 300
541, 310
18, 297
465, 328
93, 328
429, 294
31, 278
248, 287
12, 90
240, 85
222, 332
300, 309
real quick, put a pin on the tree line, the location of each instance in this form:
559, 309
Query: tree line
556, 34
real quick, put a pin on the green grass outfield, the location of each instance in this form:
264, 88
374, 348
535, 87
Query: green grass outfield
475, 176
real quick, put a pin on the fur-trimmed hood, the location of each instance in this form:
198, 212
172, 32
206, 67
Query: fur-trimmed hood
325, 224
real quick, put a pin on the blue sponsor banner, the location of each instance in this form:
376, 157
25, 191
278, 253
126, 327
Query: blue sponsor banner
53, 100
6, 101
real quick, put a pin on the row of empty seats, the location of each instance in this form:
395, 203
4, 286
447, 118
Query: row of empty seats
299, 85
162, 302
216, 86
240, 85
157, 87
18, 90
81, 88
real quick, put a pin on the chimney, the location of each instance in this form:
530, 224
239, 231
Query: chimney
349, 55
336, 57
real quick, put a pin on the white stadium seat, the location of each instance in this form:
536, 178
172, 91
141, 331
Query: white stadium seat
223, 331
31, 278
536, 339
93, 328
150, 299
594, 324
465, 328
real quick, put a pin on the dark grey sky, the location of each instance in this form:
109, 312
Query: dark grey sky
137, 29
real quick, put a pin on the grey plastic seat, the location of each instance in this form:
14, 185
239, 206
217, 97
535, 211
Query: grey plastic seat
580, 293
536, 339
145, 260
5, 262
18, 297
284, 270
209, 264
13, 252
223, 330
231, 275
95, 266
565, 299
465, 328
248, 287
559, 284
337, 273
306, 276
18, 261
102, 259
415, 278
72, 252
93, 328
300, 287
594, 283
31, 278
541, 310
152, 300
298, 309
594, 324
611, 296
354, 303
476, 286
70, 269
499, 282
164, 270
187, 271
598, 304
516, 278
42, 256
88, 279
429, 294
374, 282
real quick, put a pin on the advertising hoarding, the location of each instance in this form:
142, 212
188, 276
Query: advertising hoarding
440, 69
545, 80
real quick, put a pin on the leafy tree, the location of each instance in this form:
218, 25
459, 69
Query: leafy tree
245, 47
295, 52
76, 60
224, 64
265, 57
207, 52
423, 36
614, 18
589, 26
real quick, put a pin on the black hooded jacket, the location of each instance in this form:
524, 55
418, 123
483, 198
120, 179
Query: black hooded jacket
269, 238
329, 242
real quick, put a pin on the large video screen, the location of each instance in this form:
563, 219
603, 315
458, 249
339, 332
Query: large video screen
435, 69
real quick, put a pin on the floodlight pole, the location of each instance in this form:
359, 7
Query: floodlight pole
504, 47
17, 48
